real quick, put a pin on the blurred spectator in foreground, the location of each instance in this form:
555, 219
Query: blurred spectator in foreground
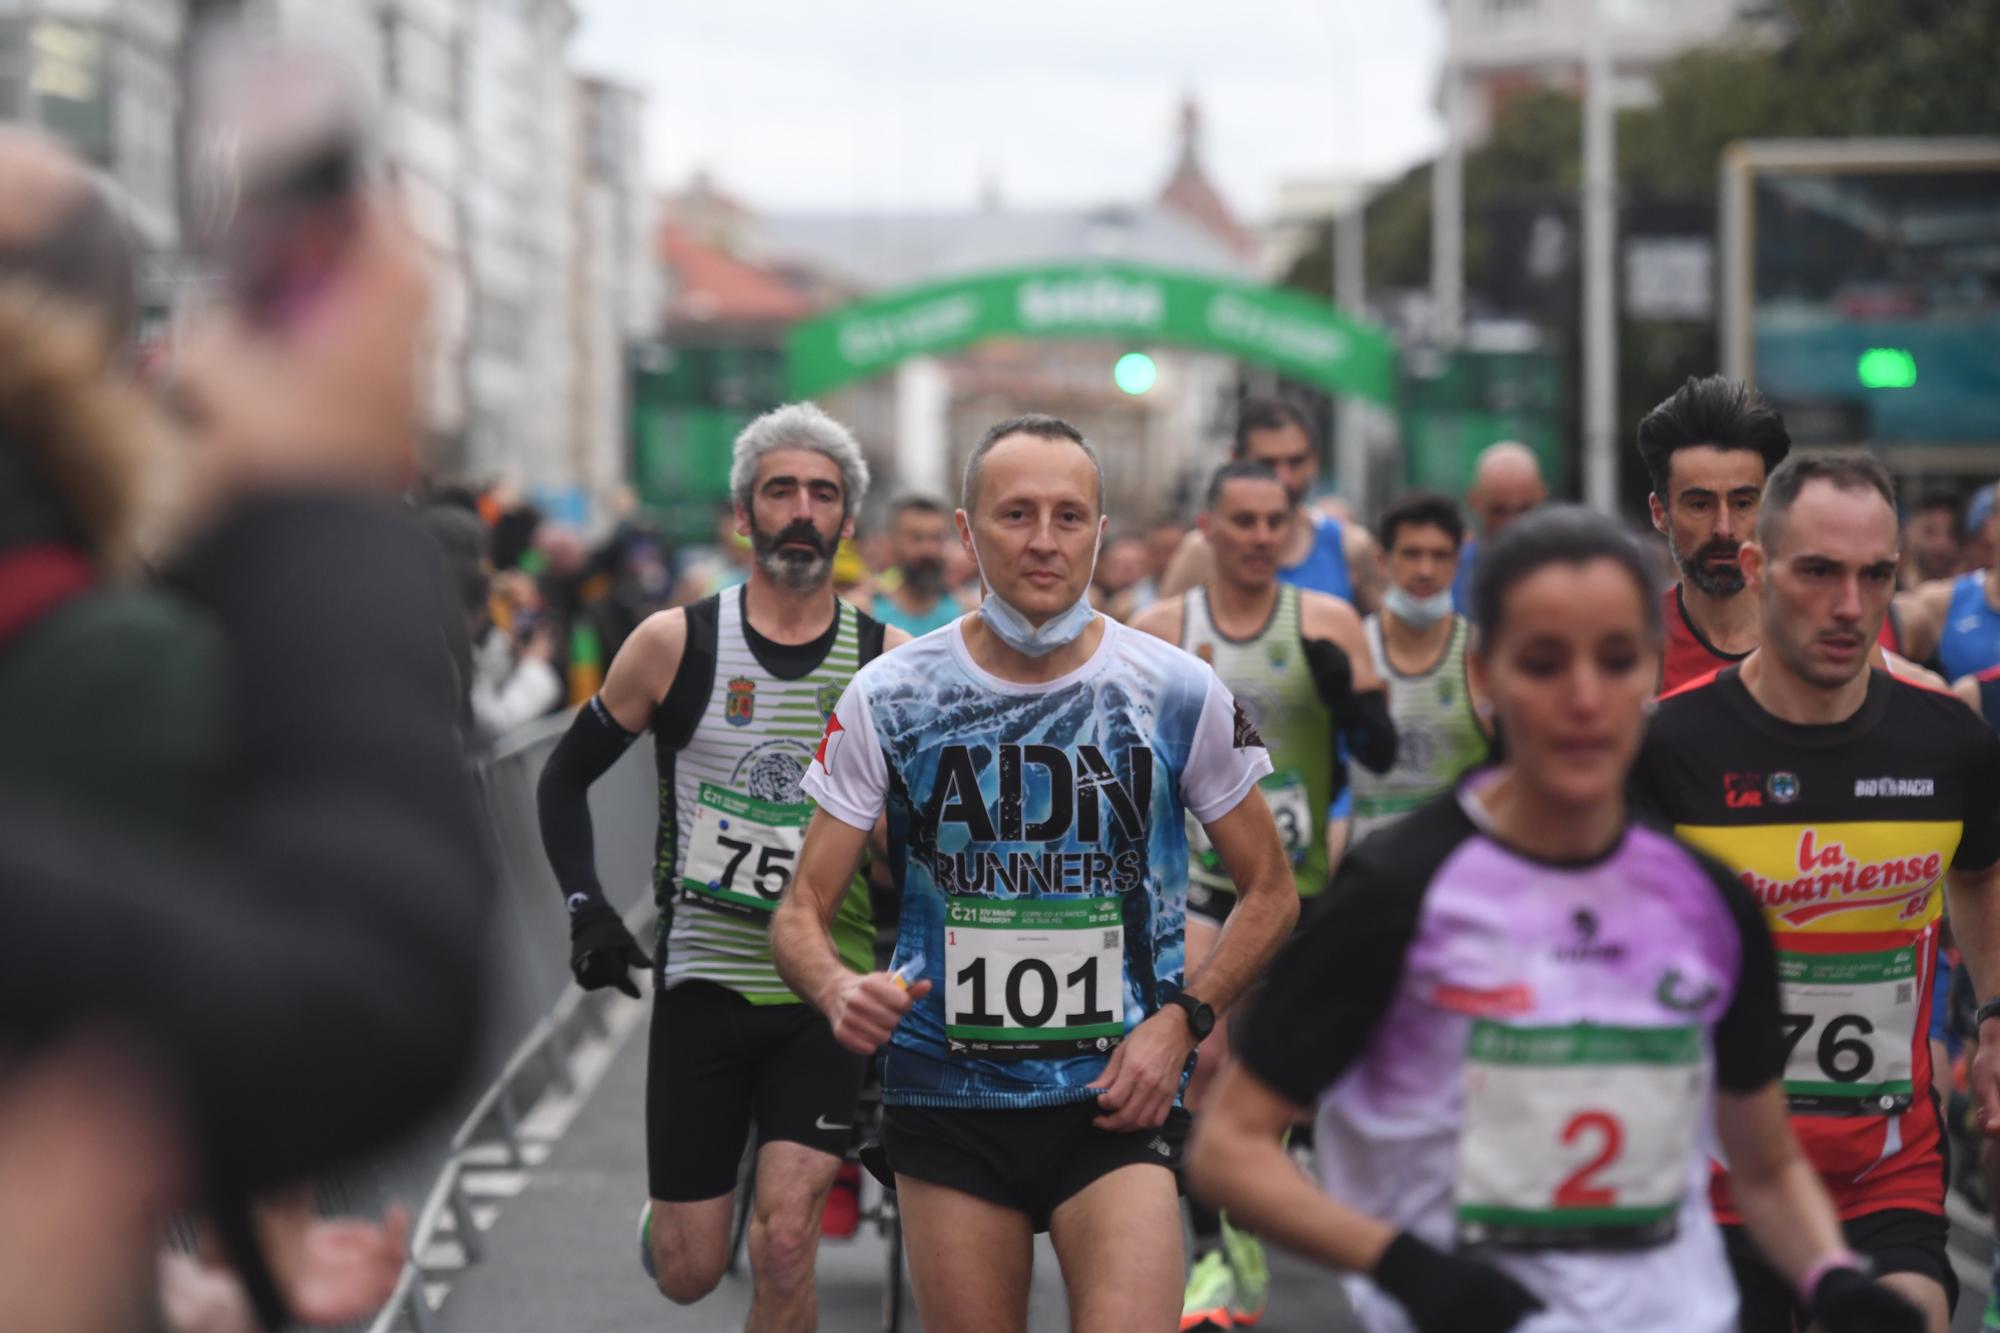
911, 593
1930, 538
1506, 483
274, 862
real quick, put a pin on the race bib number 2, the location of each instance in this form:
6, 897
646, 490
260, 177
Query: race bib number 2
741, 851
1577, 1137
1033, 978
1849, 1023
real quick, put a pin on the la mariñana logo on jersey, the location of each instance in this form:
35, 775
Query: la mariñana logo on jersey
740, 707
1895, 786
1743, 791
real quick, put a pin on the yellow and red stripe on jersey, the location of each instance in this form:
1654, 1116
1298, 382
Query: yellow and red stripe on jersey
1854, 888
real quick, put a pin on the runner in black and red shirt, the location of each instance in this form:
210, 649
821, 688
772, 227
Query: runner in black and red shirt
1844, 798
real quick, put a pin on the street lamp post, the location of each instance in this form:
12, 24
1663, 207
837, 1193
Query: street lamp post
1600, 243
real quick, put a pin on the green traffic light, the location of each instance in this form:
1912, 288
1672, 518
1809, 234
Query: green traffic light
1135, 373
1886, 368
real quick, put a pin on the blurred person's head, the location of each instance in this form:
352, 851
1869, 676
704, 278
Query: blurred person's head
798, 479
1279, 434
1568, 651
1248, 516
1823, 564
1031, 514
61, 233
1123, 564
917, 525
1506, 483
1163, 539
1931, 535
1708, 449
564, 553
1421, 535
76, 466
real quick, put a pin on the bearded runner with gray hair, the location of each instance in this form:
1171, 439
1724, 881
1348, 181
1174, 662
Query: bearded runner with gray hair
736, 689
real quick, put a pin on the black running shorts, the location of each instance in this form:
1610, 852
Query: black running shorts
1895, 1240
718, 1065
1028, 1160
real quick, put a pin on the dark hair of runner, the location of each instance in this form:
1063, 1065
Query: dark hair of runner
1716, 411
1941, 497
1845, 471
1242, 469
1270, 414
1556, 535
914, 504
1422, 509
1038, 425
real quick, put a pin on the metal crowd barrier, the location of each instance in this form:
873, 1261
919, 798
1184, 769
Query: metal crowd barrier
533, 1013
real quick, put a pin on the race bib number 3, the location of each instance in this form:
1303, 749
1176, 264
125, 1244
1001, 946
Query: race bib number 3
1577, 1137
1849, 1023
741, 851
1291, 809
1038, 977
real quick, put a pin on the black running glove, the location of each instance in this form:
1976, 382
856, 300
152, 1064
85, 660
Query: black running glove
1847, 1300
601, 949
1444, 1293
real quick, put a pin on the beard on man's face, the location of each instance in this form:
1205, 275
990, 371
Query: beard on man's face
797, 555
924, 576
1706, 569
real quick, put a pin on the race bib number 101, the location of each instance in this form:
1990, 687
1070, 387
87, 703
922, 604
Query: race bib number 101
1577, 1137
1033, 978
741, 851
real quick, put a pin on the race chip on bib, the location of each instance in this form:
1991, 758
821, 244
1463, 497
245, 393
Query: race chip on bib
1033, 977
1847, 1023
741, 851
1577, 1137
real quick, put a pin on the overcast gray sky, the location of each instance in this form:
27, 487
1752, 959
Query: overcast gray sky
845, 105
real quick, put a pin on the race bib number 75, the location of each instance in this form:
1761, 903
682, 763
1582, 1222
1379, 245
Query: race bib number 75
741, 851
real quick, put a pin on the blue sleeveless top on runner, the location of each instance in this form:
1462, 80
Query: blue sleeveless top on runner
1971, 638
1325, 567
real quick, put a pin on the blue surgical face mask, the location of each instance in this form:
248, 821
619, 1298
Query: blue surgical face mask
1417, 612
1023, 635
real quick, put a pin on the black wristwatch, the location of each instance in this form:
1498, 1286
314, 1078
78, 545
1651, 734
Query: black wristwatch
1991, 1009
1201, 1018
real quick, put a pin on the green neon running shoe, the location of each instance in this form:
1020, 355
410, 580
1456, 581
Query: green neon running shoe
1210, 1293
1250, 1274
646, 1240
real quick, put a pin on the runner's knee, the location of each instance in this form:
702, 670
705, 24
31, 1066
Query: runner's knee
783, 1244
685, 1278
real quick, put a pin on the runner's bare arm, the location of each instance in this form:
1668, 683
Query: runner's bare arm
862, 1010
1267, 904
1191, 565
644, 669
1140, 1081
1967, 690
1364, 567
1162, 619
1777, 1189
1238, 1163
1920, 615
1973, 899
